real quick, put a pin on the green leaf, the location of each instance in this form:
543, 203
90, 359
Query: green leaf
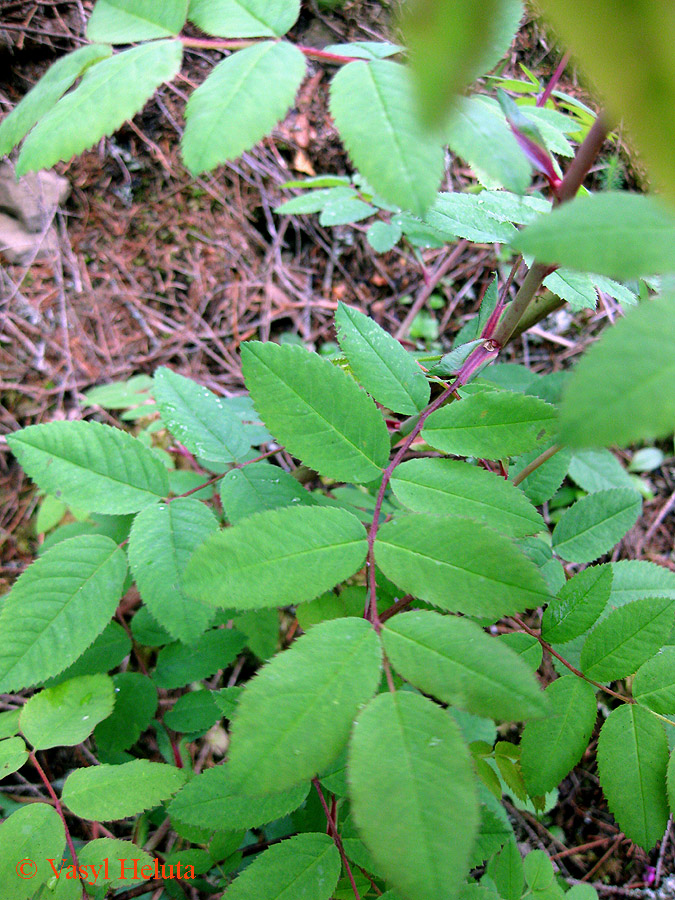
450, 487
267, 559
506, 870
632, 761
458, 565
595, 524
598, 470
457, 214
671, 780
105, 793
578, 605
13, 755
179, 664
281, 735
33, 833
212, 801
383, 236
258, 487
598, 233
315, 201
57, 607
642, 94
634, 579
240, 102
135, 706
128, 21
541, 484
193, 713
106, 653
316, 410
526, 646
49, 89
379, 362
621, 391
244, 18
94, 466
162, 540
118, 863
491, 424
350, 601
538, 871
552, 746
473, 132
374, 110
423, 770
456, 661
574, 287
304, 866
110, 92
199, 419
654, 683
67, 714
627, 638
345, 211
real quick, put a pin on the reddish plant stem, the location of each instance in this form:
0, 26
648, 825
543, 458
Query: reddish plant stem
543, 98
396, 607
332, 830
57, 804
240, 43
215, 478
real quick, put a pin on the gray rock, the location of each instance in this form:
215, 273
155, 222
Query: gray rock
34, 198
22, 247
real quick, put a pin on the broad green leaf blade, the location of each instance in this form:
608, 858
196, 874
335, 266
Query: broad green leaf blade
34, 834
632, 761
491, 424
598, 470
49, 89
634, 579
541, 485
257, 487
506, 870
193, 713
135, 705
458, 565
627, 638
374, 109
383, 236
110, 92
574, 287
119, 863
244, 18
621, 391
199, 419
423, 771
473, 132
578, 605
317, 411
211, 801
105, 793
281, 734
458, 214
456, 661
67, 714
379, 362
304, 866
654, 683
617, 234
93, 466
128, 21
552, 746
179, 664
641, 94
449, 487
13, 755
106, 653
162, 540
595, 524
277, 557
240, 102
57, 607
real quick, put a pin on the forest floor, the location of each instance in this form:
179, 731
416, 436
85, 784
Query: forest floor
155, 267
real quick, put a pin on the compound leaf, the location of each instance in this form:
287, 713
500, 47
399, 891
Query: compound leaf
110, 92
57, 607
92, 466
240, 102
423, 769
373, 107
244, 18
379, 362
491, 424
281, 734
632, 762
456, 661
162, 540
67, 714
595, 524
451, 487
128, 21
317, 411
551, 746
105, 793
458, 565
